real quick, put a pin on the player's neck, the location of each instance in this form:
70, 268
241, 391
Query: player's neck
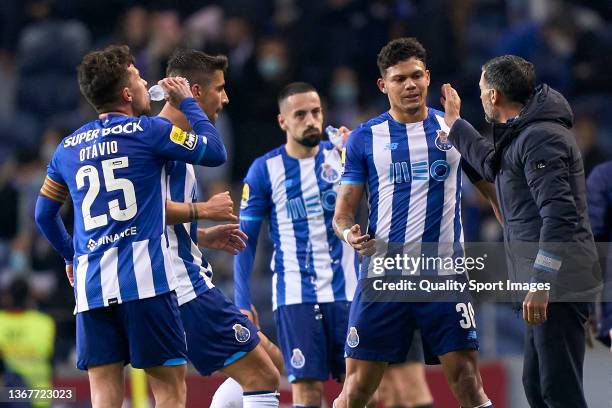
119, 110
409, 117
299, 151
175, 116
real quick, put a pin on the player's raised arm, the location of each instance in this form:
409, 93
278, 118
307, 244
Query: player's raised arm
202, 145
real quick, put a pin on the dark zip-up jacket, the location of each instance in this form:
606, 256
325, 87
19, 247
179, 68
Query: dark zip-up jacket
539, 177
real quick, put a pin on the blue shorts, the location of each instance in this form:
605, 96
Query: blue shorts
383, 331
217, 333
311, 337
144, 333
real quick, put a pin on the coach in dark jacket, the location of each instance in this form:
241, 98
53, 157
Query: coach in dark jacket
539, 176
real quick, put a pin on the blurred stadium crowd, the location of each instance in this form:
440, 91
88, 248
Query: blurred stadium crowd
329, 43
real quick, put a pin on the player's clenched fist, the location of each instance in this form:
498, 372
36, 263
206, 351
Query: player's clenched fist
219, 207
177, 89
361, 243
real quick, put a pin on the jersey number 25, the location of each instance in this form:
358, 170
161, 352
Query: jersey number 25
112, 184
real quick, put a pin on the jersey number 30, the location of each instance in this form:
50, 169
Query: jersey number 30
467, 314
112, 184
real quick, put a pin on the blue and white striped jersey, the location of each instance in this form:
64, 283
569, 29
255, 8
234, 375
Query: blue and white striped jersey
114, 169
298, 198
413, 179
192, 270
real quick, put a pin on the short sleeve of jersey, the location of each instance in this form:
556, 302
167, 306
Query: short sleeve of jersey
256, 194
173, 143
353, 158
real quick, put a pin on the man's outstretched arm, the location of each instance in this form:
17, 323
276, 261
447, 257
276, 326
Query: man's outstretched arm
477, 150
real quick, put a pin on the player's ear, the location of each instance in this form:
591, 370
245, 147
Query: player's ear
126, 95
196, 90
281, 122
380, 82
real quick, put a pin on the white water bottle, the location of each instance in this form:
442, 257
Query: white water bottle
334, 135
157, 93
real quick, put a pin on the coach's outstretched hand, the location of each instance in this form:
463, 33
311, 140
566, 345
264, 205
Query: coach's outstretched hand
361, 243
219, 207
177, 89
452, 104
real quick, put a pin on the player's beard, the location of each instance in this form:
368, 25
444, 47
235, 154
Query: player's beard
311, 139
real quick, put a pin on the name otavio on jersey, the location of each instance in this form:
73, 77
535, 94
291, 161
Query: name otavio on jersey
404, 172
91, 134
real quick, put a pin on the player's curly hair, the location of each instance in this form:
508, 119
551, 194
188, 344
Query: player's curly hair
398, 50
103, 74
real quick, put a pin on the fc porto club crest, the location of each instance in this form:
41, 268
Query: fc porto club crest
241, 333
442, 141
297, 358
329, 173
353, 338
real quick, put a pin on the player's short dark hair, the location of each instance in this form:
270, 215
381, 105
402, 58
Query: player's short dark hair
398, 50
513, 76
103, 74
294, 88
196, 66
